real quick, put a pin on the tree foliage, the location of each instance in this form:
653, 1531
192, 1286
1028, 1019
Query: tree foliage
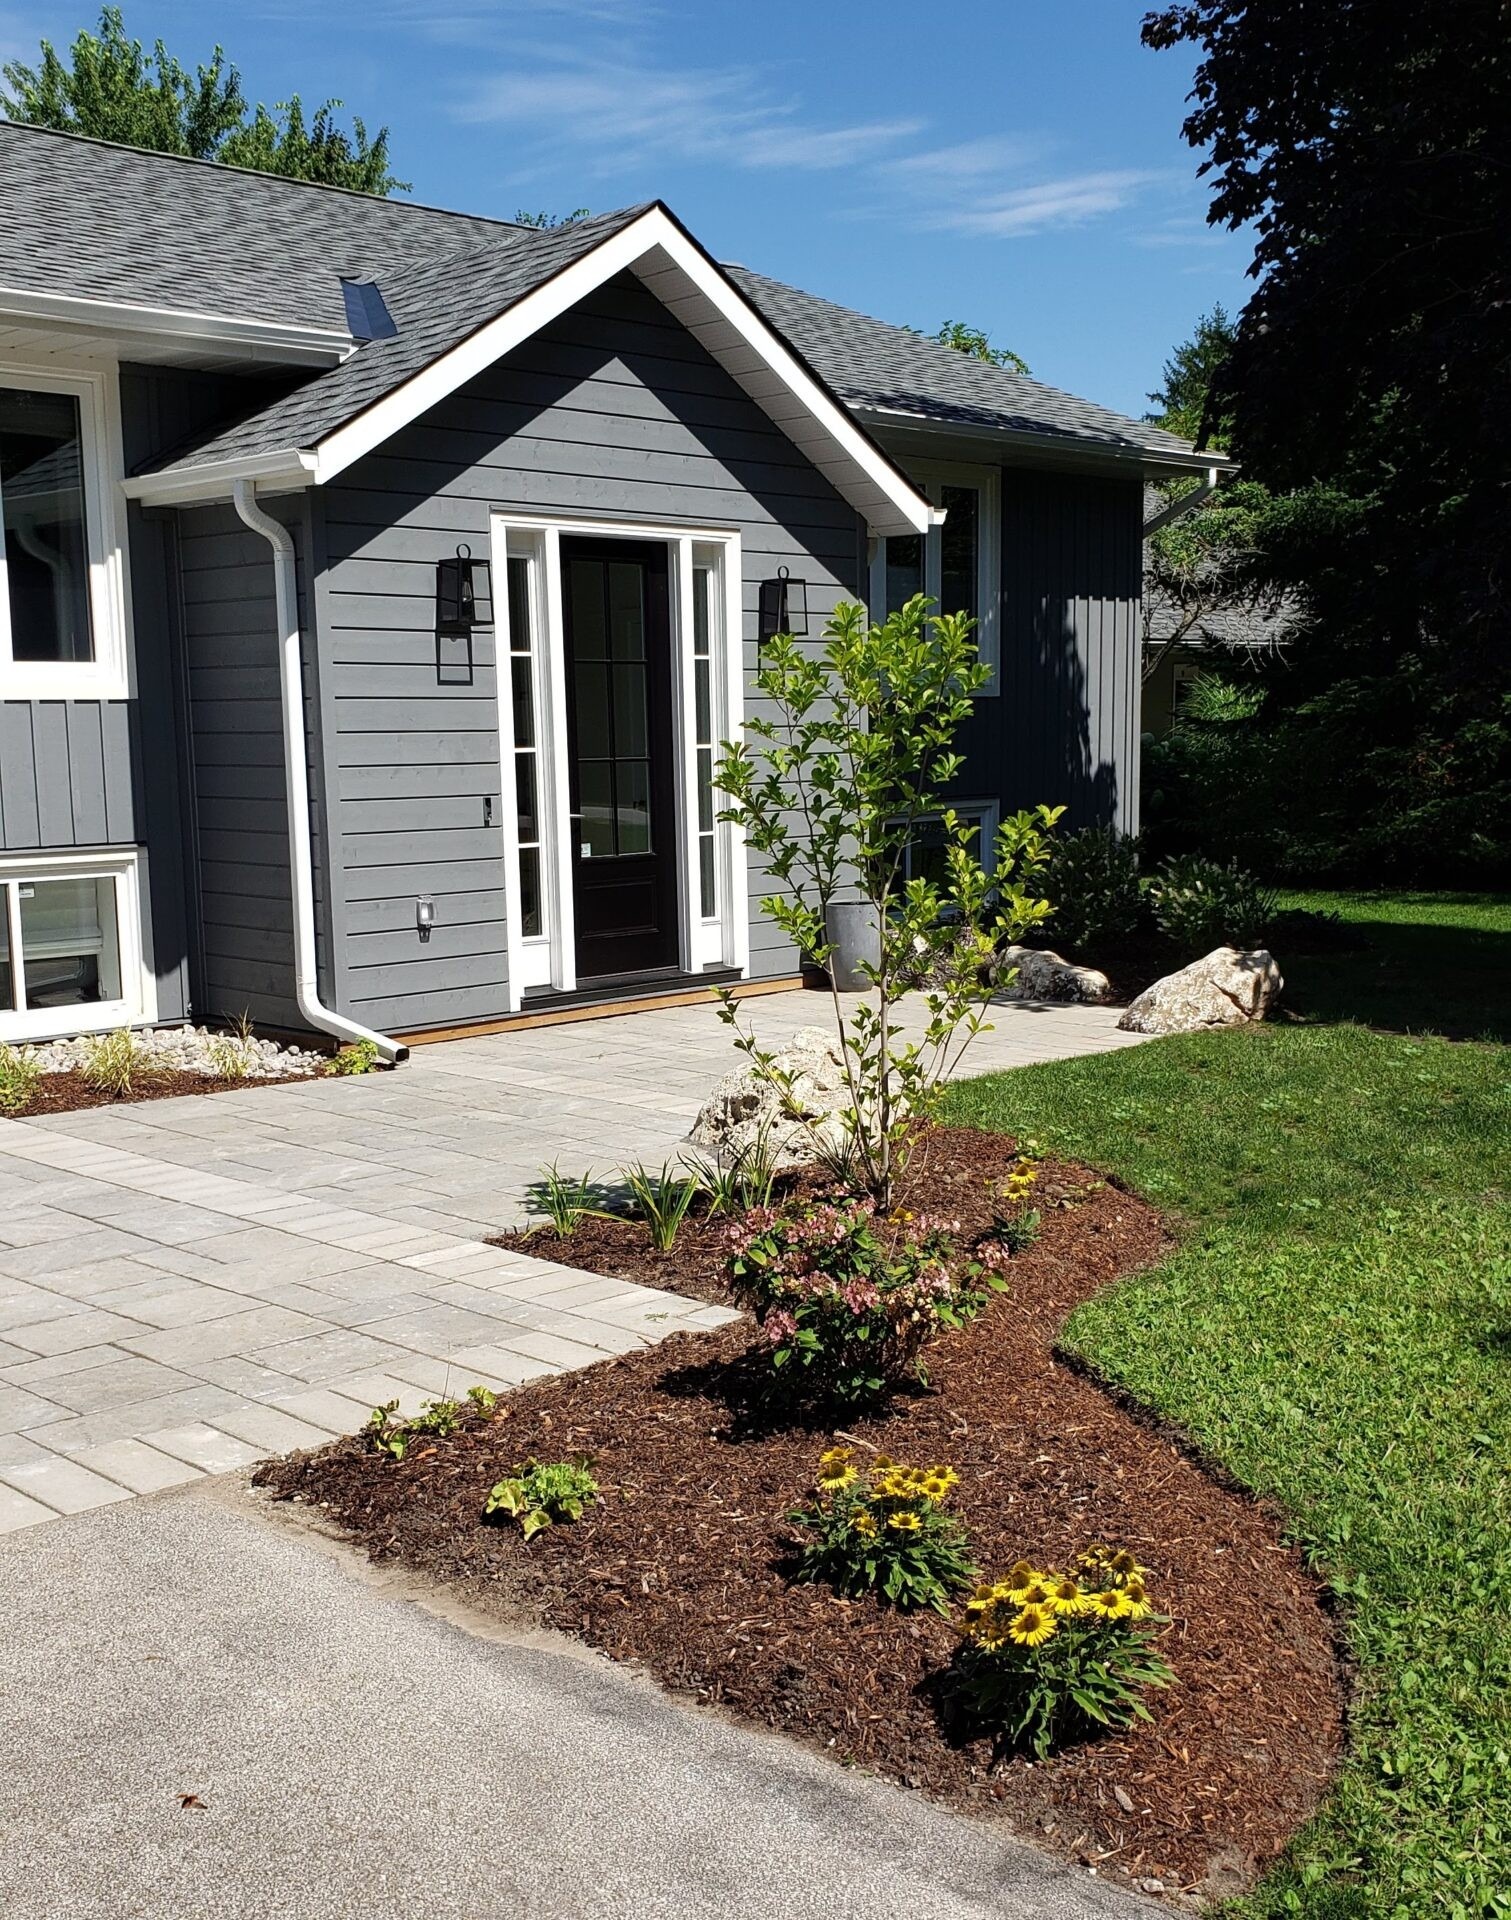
109, 87
1368, 386
970, 340
1183, 403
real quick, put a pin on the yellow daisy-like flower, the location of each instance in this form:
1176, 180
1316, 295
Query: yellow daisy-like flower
865, 1525
1038, 1593
1019, 1578
1137, 1596
1125, 1566
946, 1475
835, 1470
883, 1463
904, 1522
983, 1597
1065, 1595
835, 1457
1032, 1627
1110, 1604
935, 1486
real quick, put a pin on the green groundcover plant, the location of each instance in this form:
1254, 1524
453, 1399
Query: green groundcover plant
543, 1494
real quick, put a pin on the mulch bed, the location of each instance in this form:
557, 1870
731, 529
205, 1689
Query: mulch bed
70, 1092
681, 1567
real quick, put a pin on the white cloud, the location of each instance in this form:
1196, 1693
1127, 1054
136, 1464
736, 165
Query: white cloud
1068, 202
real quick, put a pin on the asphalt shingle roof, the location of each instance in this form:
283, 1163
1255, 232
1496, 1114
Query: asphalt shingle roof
869, 363
102, 222
95, 221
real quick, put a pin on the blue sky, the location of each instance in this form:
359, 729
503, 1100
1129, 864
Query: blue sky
1017, 166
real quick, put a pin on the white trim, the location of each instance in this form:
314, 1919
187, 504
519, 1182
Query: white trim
138, 998
107, 675
722, 942
1071, 446
283, 339
285, 471
934, 476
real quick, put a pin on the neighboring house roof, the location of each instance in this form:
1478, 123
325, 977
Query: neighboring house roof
82, 222
1253, 626
881, 369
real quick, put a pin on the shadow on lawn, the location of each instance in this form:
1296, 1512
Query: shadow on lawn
1408, 977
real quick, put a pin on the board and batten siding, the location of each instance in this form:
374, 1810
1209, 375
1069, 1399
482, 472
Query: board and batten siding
230, 634
614, 411
1064, 727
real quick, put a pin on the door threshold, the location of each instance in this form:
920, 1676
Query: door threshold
603, 1003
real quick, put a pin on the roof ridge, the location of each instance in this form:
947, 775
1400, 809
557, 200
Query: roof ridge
258, 173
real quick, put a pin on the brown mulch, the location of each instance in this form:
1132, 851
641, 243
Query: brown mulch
681, 1566
70, 1092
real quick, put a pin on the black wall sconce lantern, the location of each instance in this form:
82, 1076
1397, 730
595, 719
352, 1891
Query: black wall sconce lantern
783, 607
463, 601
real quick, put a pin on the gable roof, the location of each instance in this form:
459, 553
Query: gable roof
92, 227
883, 370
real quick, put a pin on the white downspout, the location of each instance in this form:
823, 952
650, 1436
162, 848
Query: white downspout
297, 784
1187, 503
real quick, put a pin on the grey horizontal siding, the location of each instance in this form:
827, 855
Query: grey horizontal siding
613, 410
236, 748
1064, 727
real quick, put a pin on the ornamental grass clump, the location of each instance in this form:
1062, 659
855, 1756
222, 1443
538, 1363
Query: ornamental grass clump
848, 1298
1047, 1657
19, 1078
885, 1531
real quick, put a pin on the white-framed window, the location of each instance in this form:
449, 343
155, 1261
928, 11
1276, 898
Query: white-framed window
71, 945
63, 588
957, 565
924, 856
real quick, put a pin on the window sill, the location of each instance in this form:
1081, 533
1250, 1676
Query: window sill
51, 683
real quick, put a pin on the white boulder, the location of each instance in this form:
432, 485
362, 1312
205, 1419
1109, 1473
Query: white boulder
745, 1107
1043, 975
1225, 989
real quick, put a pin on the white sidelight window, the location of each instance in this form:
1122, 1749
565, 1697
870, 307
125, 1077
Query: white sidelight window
619, 678
62, 568
957, 565
71, 945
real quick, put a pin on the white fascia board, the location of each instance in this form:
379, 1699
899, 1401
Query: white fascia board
302, 345
858, 468
285, 471
1170, 460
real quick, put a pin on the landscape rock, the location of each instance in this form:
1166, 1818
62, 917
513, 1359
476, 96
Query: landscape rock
743, 1108
1043, 975
1225, 989
191, 1050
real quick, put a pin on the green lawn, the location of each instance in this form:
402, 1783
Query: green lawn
1336, 1329
1428, 963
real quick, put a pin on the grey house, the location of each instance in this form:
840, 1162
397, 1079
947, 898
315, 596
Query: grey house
275, 740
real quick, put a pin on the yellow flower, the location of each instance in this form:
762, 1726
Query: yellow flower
1137, 1596
1110, 1604
1032, 1627
835, 1470
1125, 1566
903, 1522
981, 1599
1020, 1577
1037, 1593
935, 1486
865, 1525
882, 1463
1065, 1595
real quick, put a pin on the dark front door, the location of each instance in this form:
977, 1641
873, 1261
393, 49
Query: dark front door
620, 743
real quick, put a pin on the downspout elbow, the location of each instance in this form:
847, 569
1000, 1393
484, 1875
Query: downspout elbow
296, 783
1187, 503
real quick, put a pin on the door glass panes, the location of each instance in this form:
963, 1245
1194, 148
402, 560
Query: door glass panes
42, 507
610, 685
959, 552
70, 948
703, 740
522, 671
904, 569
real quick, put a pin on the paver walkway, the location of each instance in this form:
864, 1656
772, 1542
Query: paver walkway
187, 1285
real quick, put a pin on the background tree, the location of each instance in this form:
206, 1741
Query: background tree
1368, 385
970, 340
111, 88
548, 222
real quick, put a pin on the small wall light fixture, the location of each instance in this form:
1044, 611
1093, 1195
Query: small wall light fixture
783, 607
463, 594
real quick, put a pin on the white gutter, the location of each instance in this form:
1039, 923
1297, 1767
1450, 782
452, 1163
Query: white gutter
1178, 509
285, 340
296, 782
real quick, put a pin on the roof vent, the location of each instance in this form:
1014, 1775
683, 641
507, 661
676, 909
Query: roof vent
367, 315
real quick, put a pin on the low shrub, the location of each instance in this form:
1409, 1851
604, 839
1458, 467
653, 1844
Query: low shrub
662, 1200
566, 1199
848, 1299
541, 1496
885, 1531
1093, 881
115, 1063
1200, 904
1050, 1657
360, 1056
19, 1075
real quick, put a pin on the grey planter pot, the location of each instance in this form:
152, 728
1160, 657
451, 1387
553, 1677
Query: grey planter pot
853, 929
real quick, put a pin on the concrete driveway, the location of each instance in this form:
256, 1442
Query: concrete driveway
355, 1757
186, 1285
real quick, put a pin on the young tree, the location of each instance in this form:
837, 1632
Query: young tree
111, 88
832, 792
1184, 403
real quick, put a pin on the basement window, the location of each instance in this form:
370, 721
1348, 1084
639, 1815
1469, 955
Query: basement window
70, 946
